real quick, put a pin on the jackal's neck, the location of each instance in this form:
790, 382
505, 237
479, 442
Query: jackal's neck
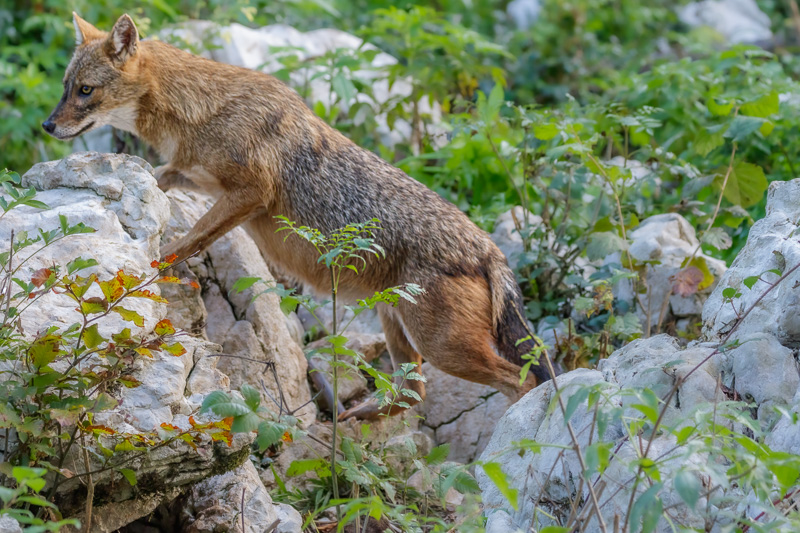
182, 92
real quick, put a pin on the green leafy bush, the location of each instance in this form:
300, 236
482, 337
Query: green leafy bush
54, 381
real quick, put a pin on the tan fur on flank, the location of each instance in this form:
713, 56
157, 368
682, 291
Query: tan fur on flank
251, 141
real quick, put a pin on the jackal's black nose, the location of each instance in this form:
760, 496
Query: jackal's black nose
49, 126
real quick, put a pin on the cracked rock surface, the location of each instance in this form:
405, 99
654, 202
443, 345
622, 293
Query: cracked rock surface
118, 196
761, 368
115, 195
459, 412
255, 329
215, 504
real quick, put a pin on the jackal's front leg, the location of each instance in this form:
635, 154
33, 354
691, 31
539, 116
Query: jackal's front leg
230, 210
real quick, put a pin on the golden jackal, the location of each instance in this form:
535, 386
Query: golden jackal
250, 141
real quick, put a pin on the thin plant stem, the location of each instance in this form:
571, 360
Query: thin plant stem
575, 444
334, 413
89, 487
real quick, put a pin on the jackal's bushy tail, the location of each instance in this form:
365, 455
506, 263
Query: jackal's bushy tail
508, 316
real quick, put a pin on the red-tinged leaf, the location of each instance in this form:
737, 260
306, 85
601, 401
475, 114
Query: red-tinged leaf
192, 422
154, 264
225, 423
130, 316
169, 427
224, 436
127, 281
287, 437
175, 349
168, 279
41, 276
164, 327
112, 289
171, 258
144, 293
141, 350
193, 284
686, 281
100, 430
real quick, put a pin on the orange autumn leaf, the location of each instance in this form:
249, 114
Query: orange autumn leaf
41, 276
144, 293
287, 437
112, 289
224, 436
126, 280
164, 327
100, 429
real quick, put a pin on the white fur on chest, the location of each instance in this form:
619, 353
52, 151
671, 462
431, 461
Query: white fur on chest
123, 118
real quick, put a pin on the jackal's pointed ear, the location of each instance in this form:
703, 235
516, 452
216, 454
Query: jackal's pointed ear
123, 40
84, 31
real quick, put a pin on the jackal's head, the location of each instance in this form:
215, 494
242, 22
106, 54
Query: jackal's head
101, 85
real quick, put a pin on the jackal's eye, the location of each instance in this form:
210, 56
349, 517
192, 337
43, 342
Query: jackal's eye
86, 90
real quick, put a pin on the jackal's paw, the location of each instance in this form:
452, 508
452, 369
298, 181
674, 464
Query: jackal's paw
166, 177
162, 177
368, 410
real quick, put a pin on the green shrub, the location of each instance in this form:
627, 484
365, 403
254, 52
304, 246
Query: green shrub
54, 381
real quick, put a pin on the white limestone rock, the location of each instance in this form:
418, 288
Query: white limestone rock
652, 363
215, 504
665, 241
738, 21
115, 195
772, 243
255, 329
118, 196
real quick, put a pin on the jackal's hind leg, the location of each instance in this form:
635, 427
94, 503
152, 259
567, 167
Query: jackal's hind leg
401, 351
